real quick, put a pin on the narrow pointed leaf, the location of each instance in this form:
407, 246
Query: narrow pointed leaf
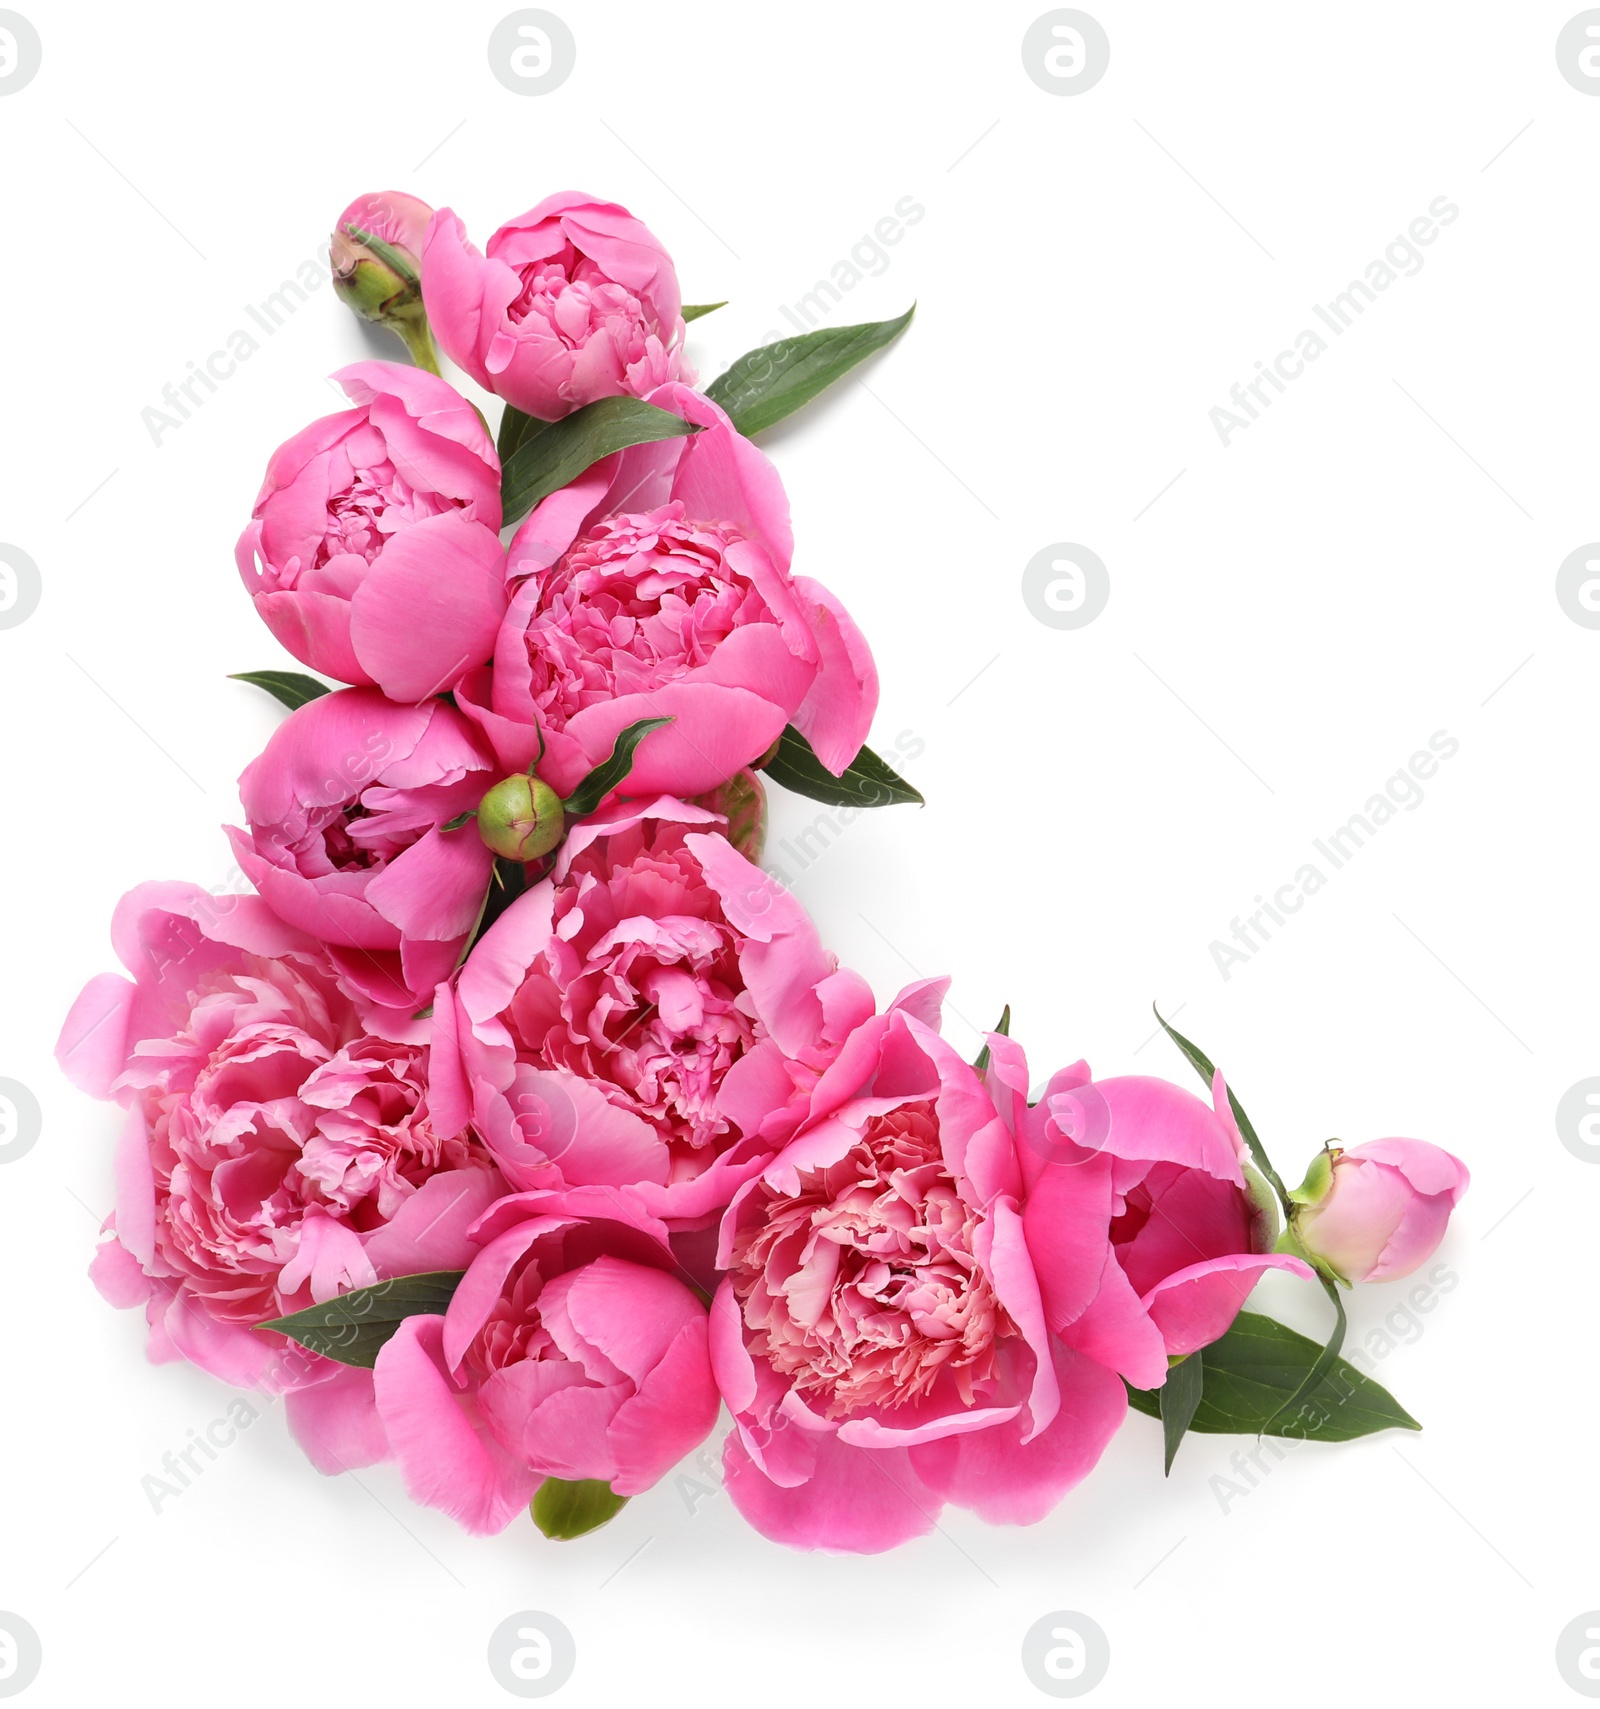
693, 311
767, 384
1003, 1027
1179, 1396
560, 451
292, 688
563, 1509
1260, 1364
609, 773
354, 1327
866, 782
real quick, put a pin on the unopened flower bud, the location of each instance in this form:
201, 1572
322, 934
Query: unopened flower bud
742, 801
375, 252
521, 818
1376, 1212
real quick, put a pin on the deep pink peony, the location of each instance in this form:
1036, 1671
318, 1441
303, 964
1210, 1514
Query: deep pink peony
658, 584
648, 1018
345, 806
1382, 1208
880, 1337
574, 300
569, 1350
1190, 1235
277, 1151
374, 554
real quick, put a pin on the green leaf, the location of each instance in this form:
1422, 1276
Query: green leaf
1003, 1027
515, 429
767, 384
610, 772
291, 687
560, 451
1202, 1065
693, 311
563, 1509
1179, 1396
1259, 1366
866, 782
354, 1327
460, 819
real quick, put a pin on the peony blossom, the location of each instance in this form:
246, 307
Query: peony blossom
374, 553
1376, 1212
648, 1018
570, 1350
880, 1337
277, 1151
1191, 1230
658, 584
574, 300
345, 808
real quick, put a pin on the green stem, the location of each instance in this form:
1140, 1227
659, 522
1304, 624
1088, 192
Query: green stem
418, 340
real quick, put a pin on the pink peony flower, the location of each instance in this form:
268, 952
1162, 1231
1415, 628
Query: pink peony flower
880, 1337
1189, 1238
345, 806
574, 300
374, 554
1379, 1210
277, 1150
647, 1018
658, 584
569, 1351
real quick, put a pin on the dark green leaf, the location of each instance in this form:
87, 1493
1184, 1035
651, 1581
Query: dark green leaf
1202, 1065
515, 429
548, 460
1179, 1396
460, 819
693, 311
563, 1510
354, 1327
609, 773
765, 385
1324, 1361
291, 687
1003, 1027
1259, 1366
867, 781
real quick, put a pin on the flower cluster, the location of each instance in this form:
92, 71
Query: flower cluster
518, 1122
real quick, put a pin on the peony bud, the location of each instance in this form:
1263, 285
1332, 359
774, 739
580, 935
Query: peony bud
521, 818
375, 250
1376, 1212
742, 801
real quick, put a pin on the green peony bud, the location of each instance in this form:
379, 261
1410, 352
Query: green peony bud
521, 818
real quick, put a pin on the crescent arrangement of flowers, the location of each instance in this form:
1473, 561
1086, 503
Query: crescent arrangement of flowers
518, 1122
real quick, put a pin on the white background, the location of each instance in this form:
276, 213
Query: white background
1366, 565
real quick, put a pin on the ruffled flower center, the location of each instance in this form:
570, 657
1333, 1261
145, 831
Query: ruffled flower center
861, 1287
638, 601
